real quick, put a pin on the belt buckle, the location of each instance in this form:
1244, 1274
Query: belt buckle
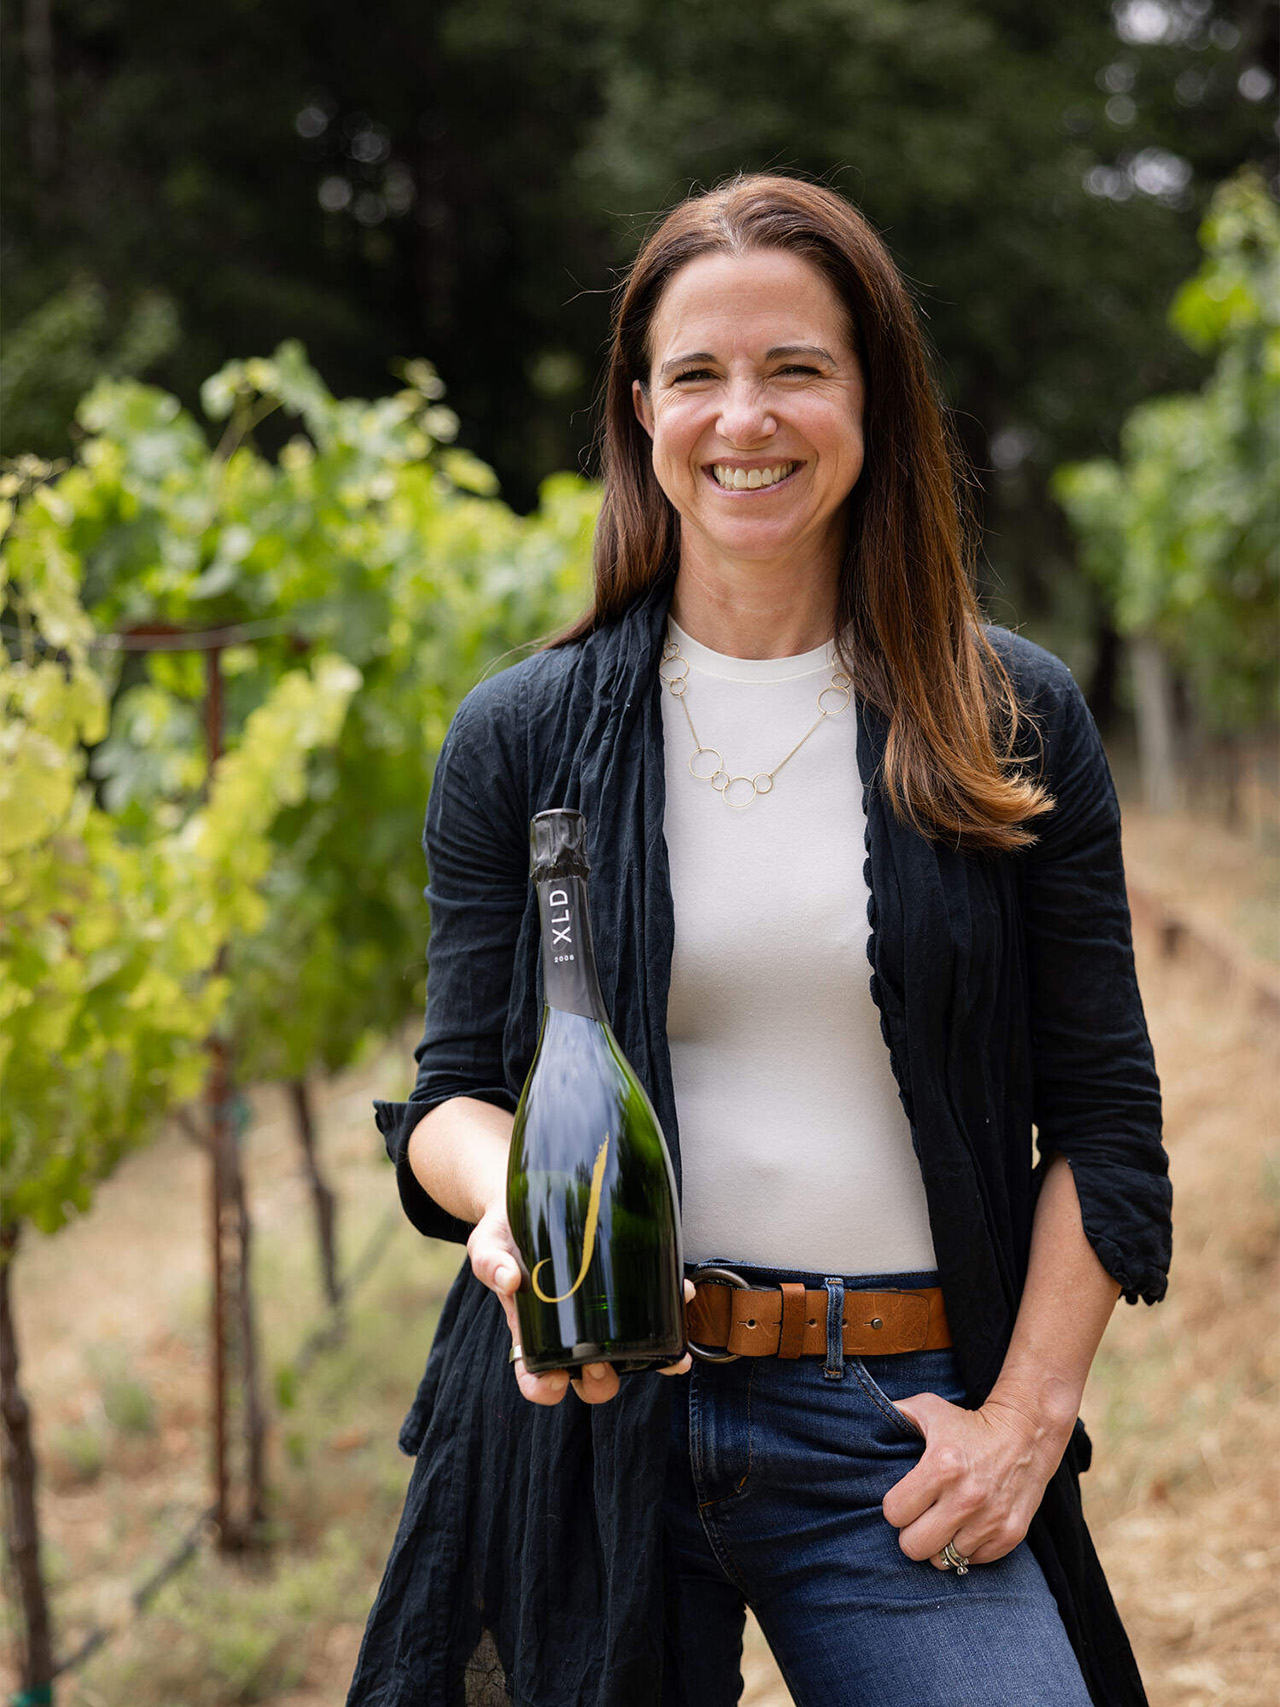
706, 1354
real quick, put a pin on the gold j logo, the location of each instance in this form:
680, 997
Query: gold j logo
589, 1232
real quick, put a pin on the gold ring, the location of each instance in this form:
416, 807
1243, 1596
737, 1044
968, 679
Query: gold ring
516, 1351
698, 775
953, 1558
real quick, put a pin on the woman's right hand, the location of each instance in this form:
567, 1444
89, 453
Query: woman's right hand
493, 1260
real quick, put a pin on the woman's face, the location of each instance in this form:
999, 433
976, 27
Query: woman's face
754, 406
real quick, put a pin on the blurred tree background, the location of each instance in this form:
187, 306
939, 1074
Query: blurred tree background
463, 181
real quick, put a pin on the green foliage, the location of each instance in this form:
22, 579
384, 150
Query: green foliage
1181, 533
370, 534
286, 1387
53, 356
128, 1402
108, 946
80, 1451
364, 556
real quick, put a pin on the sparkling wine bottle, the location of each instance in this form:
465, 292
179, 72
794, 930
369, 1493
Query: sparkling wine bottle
590, 1192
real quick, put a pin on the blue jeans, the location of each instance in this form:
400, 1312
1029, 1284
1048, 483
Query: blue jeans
775, 1479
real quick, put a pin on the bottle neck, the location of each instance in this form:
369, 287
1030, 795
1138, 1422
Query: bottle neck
568, 959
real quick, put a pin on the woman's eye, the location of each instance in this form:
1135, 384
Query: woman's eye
692, 373
797, 367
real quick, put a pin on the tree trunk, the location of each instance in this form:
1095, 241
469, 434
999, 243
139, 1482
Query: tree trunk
1103, 684
322, 1198
1230, 771
38, 42
219, 1140
239, 1486
254, 1417
234, 1331
22, 1526
1157, 726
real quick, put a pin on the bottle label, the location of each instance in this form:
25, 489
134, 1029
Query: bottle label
588, 1234
563, 948
568, 960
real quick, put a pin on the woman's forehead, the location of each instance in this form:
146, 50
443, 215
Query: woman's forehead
764, 297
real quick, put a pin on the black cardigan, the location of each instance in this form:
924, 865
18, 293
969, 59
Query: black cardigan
529, 1554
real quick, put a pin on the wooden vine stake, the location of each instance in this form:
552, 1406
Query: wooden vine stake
324, 1203
22, 1528
239, 1505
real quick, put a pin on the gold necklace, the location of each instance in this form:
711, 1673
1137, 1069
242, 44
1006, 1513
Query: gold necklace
677, 682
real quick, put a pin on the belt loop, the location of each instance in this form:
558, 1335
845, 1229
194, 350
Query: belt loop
834, 1370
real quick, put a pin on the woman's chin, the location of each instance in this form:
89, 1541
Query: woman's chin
762, 540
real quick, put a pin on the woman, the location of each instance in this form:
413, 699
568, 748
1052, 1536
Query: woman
794, 743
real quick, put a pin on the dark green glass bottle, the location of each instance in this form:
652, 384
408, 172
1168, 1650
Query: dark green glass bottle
590, 1191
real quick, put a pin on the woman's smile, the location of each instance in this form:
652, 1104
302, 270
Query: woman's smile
738, 477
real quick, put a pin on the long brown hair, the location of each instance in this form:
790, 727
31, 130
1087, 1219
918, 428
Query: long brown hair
906, 609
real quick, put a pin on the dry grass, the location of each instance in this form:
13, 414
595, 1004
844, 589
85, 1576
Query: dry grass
1182, 1499
121, 1294
1225, 886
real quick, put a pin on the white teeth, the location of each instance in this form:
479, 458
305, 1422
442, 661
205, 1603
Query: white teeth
749, 479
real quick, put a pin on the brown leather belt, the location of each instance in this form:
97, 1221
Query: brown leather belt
727, 1319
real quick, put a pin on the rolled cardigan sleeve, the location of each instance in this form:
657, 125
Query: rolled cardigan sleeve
477, 887
1096, 1097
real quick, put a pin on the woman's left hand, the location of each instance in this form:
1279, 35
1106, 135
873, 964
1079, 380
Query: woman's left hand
979, 1482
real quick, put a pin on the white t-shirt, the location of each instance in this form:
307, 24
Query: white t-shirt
795, 1149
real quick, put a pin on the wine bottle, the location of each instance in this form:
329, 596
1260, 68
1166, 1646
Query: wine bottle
590, 1190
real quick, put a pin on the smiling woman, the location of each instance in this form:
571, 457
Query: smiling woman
899, 543
858, 893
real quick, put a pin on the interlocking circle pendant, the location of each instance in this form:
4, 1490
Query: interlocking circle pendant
674, 671
842, 689
706, 764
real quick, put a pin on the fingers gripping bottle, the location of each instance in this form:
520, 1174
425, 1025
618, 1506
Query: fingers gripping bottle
590, 1190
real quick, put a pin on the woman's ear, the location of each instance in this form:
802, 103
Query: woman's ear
642, 406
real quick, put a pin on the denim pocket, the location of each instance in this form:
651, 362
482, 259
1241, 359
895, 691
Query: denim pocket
881, 1399
907, 1373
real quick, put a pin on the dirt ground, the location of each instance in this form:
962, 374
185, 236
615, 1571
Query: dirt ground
1182, 1498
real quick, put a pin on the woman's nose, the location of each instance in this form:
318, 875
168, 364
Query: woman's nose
745, 418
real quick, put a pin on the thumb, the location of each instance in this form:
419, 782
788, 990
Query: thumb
918, 1409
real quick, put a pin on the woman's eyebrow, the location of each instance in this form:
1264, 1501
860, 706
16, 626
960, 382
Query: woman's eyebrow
683, 361
780, 350
777, 353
